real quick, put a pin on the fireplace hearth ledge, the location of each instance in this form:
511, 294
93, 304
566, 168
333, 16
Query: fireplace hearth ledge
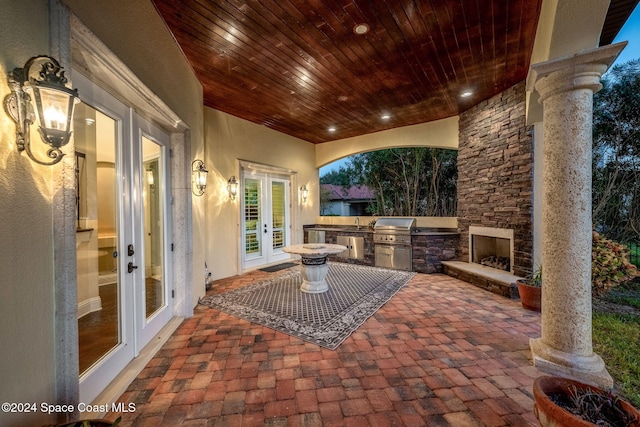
491, 279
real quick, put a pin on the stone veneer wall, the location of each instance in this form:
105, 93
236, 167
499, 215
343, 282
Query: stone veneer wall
495, 173
429, 250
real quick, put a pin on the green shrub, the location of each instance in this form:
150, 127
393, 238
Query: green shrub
610, 265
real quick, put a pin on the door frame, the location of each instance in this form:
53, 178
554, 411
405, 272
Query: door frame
244, 167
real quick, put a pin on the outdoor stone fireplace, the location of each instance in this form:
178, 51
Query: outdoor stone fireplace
495, 180
491, 247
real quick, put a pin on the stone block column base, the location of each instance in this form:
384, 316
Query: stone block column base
589, 369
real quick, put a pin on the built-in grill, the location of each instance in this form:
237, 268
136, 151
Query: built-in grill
392, 242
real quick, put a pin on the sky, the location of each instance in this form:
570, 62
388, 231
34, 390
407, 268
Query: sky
630, 32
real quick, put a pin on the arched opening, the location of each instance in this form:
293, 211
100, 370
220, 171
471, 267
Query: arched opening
403, 181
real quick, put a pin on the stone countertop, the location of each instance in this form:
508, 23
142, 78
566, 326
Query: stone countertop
315, 249
338, 228
418, 231
434, 232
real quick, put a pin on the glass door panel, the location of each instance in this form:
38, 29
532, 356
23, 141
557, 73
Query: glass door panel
252, 218
152, 216
153, 228
105, 290
98, 281
278, 214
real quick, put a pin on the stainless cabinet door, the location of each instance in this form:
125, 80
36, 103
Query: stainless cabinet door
402, 258
344, 241
356, 246
384, 256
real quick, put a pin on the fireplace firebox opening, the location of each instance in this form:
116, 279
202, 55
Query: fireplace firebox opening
491, 247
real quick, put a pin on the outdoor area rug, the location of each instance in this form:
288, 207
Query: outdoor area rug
355, 293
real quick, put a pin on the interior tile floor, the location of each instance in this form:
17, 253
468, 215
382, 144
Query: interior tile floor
441, 352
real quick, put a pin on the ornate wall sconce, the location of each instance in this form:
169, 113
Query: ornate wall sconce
232, 187
39, 93
304, 193
199, 174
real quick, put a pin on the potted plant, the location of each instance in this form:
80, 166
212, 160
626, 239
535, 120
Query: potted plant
565, 402
530, 290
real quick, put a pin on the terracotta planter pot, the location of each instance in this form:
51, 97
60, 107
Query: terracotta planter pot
551, 415
530, 296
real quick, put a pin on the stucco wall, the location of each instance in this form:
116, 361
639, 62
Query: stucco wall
228, 140
26, 235
440, 133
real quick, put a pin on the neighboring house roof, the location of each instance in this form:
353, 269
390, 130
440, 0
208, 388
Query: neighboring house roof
355, 192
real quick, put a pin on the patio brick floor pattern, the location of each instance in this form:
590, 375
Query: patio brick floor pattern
441, 352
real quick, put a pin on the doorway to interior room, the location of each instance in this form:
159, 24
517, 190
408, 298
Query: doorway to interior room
123, 272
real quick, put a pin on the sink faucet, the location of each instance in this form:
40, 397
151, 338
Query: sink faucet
358, 222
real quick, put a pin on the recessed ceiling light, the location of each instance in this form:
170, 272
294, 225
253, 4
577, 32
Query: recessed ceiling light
332, 129
385, 116
361, 29
343, 98
466, 94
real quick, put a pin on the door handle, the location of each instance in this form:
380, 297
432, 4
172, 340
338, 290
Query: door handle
131, 267
265, 228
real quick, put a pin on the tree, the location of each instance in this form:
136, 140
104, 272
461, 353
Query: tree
616, 153
325, 199
409, 181
342, 176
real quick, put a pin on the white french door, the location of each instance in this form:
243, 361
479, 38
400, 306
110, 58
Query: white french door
151, 213
121, 242
265, 218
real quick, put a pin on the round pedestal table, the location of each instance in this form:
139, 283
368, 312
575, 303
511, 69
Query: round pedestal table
314, 266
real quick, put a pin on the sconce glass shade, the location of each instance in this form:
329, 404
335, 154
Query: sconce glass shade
39, 95
150, 177
304, 193
199, 173
54, 111
232, 187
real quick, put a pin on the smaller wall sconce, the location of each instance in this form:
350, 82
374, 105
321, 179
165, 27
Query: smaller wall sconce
304, 193
39, 94
232, 187
150, 178
199, 173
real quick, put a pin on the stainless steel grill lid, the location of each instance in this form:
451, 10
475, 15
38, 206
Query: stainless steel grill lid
398, 224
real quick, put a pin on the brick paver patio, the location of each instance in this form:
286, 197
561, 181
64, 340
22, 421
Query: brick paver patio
440, 353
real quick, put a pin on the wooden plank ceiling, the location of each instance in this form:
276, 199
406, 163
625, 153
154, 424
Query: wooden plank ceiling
298, 66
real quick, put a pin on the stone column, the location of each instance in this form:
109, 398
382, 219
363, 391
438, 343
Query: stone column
566, 87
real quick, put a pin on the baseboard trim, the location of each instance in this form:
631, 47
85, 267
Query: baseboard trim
89, 306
